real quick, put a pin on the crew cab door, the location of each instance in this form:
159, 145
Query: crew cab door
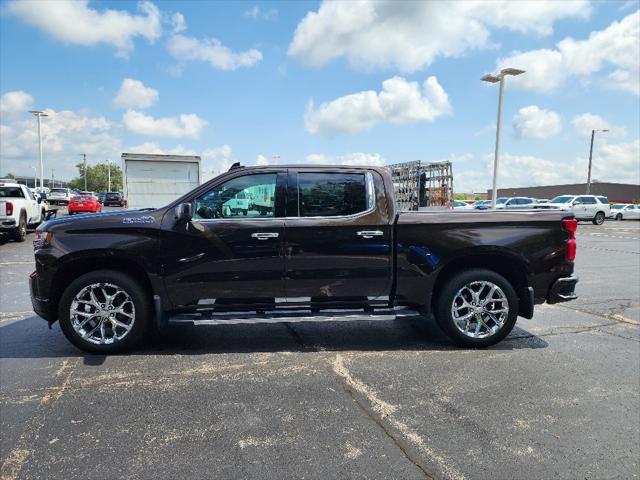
31, 205
338, 237
226, 255
587, 205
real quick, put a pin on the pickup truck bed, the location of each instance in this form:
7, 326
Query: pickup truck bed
328, 243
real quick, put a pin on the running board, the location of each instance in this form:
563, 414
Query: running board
244, 318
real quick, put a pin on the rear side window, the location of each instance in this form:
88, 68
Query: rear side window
332, 194
587, 200
604, 200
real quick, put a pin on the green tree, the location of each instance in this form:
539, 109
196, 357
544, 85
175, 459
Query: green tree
459, 196
10, 175
98, 178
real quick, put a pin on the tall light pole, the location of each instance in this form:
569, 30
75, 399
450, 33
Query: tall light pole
109, 174
494, 79
35, 177
38, 114
53, 181
84, 156
593, 134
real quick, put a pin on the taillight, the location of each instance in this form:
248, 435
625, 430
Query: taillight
571, 225
9, 209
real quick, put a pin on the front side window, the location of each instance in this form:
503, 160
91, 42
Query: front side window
241, 197
332, 194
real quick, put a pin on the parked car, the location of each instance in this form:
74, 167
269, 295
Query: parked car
515, 202
482, 204
101, 196
585, 207
19, 210
59, 196
460, 205
625, 211
332, 242
114, 199
84, 204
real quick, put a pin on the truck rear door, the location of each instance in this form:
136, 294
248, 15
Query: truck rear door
337, 237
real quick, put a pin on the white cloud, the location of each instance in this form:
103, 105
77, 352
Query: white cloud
258, 14
535, 122
398, 102
411, 35
155, 149
356, 159
217, 159
210, 50
73, 22
617, 47
184, 126
178, 23
133, 94
15, 102
65, 134
618, 162
262, 160
583, 125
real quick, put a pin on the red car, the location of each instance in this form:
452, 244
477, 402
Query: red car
84, 203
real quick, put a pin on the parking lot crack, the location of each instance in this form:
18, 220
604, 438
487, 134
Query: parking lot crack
413, 446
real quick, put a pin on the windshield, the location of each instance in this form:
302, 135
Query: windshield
501, 200
562, 199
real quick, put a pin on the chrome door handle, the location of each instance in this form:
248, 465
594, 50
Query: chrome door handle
370, 233
265, 235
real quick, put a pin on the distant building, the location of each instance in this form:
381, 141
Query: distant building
615, 192
28, 181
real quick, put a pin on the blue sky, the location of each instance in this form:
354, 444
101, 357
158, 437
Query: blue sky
341, 82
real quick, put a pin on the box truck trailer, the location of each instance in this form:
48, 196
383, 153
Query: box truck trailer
152, 181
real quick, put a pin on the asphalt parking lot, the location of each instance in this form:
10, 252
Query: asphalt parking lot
560, 398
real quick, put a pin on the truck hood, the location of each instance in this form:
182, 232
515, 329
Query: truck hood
149, 218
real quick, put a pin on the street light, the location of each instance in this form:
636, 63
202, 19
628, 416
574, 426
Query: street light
494, 79
109, 170
84, 156
593, 134
38, 114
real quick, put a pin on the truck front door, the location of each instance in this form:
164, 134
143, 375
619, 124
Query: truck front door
227, 256
337, 237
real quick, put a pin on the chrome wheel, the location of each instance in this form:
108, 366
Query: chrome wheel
102, 313
479, 309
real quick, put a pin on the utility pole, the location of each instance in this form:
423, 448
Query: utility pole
38, 114
109, 173
53, 181
593, 134
84, 156
494, 79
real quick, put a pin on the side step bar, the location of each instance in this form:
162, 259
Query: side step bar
296, 316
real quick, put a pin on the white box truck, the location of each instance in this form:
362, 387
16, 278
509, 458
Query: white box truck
156, 180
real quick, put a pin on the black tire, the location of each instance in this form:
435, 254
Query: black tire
20, 233
447, 294
598, 219
141, 302
619, 217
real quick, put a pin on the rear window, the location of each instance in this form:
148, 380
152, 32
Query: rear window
59, 190
83, 197
11, 192
331, 194
113, 195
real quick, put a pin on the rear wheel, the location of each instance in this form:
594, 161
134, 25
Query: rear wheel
599, 218
477, 308
20, 233
104, 312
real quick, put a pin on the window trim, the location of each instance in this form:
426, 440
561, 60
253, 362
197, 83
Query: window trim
370, 192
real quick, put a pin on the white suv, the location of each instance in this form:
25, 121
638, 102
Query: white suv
19, 209
585, 207
59, 196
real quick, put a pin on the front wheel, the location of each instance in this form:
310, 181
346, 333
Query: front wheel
599, 218
619, 217
104, 312
477, 308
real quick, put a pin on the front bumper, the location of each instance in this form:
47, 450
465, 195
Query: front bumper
40, 304
563, 290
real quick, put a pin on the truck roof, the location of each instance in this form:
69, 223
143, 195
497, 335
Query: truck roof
148, 157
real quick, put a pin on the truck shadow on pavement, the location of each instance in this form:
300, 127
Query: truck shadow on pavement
30, 338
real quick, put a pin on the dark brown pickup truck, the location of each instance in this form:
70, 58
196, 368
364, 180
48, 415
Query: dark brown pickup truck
287, 243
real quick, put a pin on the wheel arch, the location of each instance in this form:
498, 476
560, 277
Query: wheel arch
512, 268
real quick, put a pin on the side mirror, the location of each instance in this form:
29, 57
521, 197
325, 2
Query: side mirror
184, 212
39, 199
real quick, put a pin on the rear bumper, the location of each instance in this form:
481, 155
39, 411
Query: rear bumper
8, 224
563, 290
40, 304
